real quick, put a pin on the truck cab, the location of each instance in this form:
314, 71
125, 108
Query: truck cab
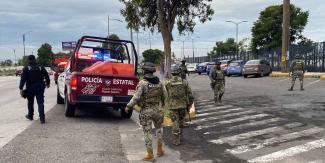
102, 72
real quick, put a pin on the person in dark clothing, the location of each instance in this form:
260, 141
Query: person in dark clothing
36, 79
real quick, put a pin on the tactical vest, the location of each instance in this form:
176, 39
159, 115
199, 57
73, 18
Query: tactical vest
298, 66
153, 93
177, 89
218, 75
34, 74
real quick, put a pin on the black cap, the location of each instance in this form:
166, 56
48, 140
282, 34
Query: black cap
31, 58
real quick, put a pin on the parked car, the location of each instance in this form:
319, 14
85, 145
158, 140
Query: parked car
224, 65
202, 68
235, 68
209, 66
257, 68
19, 72
191, 67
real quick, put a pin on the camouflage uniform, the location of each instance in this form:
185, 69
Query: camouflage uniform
217, 78
183, 70
180, 98
297, 70
149, 95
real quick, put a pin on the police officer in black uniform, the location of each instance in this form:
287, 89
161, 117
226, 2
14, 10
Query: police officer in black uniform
36, 79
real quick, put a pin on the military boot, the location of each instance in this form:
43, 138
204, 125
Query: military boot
160, 151
149, 156
177, 139
302, 88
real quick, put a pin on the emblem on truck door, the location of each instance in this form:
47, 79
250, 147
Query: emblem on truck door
89, 89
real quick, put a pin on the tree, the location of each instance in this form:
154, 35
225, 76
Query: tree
227, 47
45, 55
23, 61
267, 30
115, 47
162, 15
155, 56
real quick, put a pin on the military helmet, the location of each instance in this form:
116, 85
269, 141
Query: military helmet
175, 70
297, 57
149, 67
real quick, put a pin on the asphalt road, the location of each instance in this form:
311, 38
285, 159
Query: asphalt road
259, 121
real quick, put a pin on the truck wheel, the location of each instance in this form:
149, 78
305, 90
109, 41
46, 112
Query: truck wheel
69, 109
199, 73
245, 76
124, 114
59, 99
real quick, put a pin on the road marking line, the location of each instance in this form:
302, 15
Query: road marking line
219, 112
316, 161
236, 138
279, 155
203, 101
314, 82
248, 117
274, 140
213, 108
256, 123
222, 116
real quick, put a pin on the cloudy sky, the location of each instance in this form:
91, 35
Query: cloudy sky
54, 21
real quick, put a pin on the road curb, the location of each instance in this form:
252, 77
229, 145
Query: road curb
308, 75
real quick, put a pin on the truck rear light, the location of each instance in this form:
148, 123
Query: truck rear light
73, 83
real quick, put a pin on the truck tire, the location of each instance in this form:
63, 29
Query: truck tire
125, 115
59, 99
69, 109
245, 76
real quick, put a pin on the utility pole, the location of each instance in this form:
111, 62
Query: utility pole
285, 34
24, 39
149, 40
107, 26
14, 55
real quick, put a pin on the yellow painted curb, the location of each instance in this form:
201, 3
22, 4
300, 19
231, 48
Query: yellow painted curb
169, 122
322, 77
279, 75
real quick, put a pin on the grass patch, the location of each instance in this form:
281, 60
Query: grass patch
7, 72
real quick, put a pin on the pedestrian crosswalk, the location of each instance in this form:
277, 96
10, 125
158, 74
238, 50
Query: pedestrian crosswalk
255, 136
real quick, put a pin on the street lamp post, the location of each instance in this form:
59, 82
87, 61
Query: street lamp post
108, 19
193, 48
24, 39
237, 25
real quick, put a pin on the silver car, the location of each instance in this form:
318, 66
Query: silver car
257, 68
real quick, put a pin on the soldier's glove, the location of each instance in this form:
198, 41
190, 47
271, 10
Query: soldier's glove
127, 109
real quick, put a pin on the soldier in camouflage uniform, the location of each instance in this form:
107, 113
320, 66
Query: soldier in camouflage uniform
297, 70
217, 78
149, 95
183, 69
180, 98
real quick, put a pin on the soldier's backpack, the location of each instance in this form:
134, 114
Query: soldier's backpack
298, 66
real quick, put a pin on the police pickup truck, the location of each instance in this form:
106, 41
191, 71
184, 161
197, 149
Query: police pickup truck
101, 73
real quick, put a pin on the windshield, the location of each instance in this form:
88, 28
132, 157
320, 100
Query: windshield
234, 64
224, 62
105, 57
253, 62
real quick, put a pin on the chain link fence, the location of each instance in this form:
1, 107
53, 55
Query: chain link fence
312, 54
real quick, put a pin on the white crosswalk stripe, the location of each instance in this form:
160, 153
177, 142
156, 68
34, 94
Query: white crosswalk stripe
274, 140
223, 116
250, 134
207, 109
219, 112
254, 124
248, 117
279, 155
